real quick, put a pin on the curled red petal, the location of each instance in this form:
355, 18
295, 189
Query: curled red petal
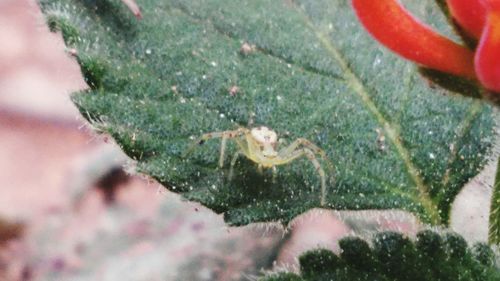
470, 14
487, 60
393, 26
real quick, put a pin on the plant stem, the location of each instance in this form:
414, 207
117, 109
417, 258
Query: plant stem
494, 225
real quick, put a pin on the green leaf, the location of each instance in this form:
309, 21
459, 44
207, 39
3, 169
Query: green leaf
494, 223
307, 70
394, 257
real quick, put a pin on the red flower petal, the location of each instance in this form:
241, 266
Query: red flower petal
470, 14
394, 27
487, 60
491, 4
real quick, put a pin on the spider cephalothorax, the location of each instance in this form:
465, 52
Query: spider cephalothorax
260, 144
267, 140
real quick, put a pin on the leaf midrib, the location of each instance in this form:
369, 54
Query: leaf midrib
392, 133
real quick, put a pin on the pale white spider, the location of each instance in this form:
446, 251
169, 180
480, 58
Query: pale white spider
259, 145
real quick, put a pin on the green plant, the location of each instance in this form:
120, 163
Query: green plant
494, 224
306, 69
394, 257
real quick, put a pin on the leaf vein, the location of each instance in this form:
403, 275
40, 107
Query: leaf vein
282, 59
460, 133
354, 82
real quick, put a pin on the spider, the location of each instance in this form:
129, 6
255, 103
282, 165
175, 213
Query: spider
259, 144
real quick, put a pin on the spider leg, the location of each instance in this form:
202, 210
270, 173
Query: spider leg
307, 144
224, 135
233, 163
317, 166
260, 169
304, 142
222, 149
202, 140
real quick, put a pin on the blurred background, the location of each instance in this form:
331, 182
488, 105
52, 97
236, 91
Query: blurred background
71, 208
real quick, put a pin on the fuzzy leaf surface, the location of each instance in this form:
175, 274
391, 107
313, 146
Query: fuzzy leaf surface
311, 72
